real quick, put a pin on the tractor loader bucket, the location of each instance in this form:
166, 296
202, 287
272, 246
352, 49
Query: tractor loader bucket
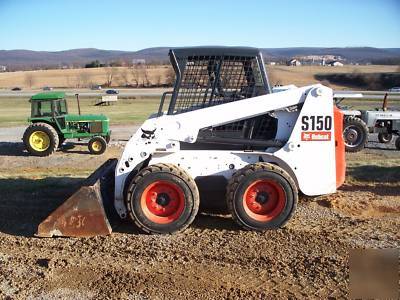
86, 213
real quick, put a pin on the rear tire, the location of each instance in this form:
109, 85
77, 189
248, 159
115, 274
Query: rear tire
355, 134
385, 137
261, 196
41, 139
162, 199
397, 143
97, 145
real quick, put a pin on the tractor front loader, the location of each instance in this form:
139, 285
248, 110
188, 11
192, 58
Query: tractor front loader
223, 125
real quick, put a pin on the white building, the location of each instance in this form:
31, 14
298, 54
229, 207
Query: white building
294, 62
3, 68
335, 64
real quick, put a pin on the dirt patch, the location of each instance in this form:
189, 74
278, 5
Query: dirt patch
365, 202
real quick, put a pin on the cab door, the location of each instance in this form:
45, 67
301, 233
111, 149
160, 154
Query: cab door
59, 112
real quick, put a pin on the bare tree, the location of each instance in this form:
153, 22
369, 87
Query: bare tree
110, 75
135, 75
30, 79
124, 76
158, 80
145, 73
170, 76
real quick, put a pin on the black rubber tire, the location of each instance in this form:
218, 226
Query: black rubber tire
97, 139
108, 138
385, 137
61, 141
359, 127
242, 179
397, 143
169, 173
47, 129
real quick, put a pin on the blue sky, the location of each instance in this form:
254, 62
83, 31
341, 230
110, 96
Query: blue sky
132, 25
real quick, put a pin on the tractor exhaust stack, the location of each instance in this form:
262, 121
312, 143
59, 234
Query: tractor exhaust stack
86, 212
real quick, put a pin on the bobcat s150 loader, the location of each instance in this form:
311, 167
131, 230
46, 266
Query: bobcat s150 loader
222, 127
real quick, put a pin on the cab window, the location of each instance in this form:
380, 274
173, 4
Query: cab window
60, 107
41, 108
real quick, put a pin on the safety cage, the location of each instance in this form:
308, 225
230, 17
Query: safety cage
209, 76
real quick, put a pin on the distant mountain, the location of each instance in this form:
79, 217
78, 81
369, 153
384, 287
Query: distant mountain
20, 59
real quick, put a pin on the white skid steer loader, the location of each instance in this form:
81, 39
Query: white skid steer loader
223, 129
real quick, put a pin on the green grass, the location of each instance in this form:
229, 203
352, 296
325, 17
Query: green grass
368, 104
15, 111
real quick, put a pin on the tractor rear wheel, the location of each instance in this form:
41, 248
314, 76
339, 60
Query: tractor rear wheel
41, 139
385, 137
397, 143
355, 134
261, 196
162, 198
97, 145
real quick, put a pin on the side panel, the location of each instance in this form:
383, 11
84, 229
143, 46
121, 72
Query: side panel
310, 150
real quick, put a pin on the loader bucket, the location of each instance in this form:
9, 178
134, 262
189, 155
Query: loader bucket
86, 213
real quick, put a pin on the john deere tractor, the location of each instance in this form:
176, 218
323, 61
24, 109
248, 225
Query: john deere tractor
51, 125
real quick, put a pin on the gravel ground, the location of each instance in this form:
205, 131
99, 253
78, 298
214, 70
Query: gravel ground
212, 259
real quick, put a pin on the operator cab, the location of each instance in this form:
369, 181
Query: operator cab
48, 105
210, 76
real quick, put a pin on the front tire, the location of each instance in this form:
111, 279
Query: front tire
397, 143
261, 196
355, 134
97, 145
162, 199
41, 139
385, 137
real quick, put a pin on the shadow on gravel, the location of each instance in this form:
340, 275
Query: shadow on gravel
13, 149
70, 147
378, 189
24, 203
215, 222
18, 149
375, 173
382, 147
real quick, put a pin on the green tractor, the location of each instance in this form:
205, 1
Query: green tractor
51, 125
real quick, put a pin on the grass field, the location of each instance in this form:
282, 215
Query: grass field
15, 111
72, 78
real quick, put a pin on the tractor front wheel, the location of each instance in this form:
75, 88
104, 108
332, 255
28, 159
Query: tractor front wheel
385, 137
97, 145
261, 196
397, 143
162, 198
41, 139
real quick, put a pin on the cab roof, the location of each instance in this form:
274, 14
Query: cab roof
49, 96
214, 50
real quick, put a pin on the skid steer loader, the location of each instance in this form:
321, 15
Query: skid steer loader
223, 129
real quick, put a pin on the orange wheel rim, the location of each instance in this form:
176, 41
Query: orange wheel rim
163, 202
264, 200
